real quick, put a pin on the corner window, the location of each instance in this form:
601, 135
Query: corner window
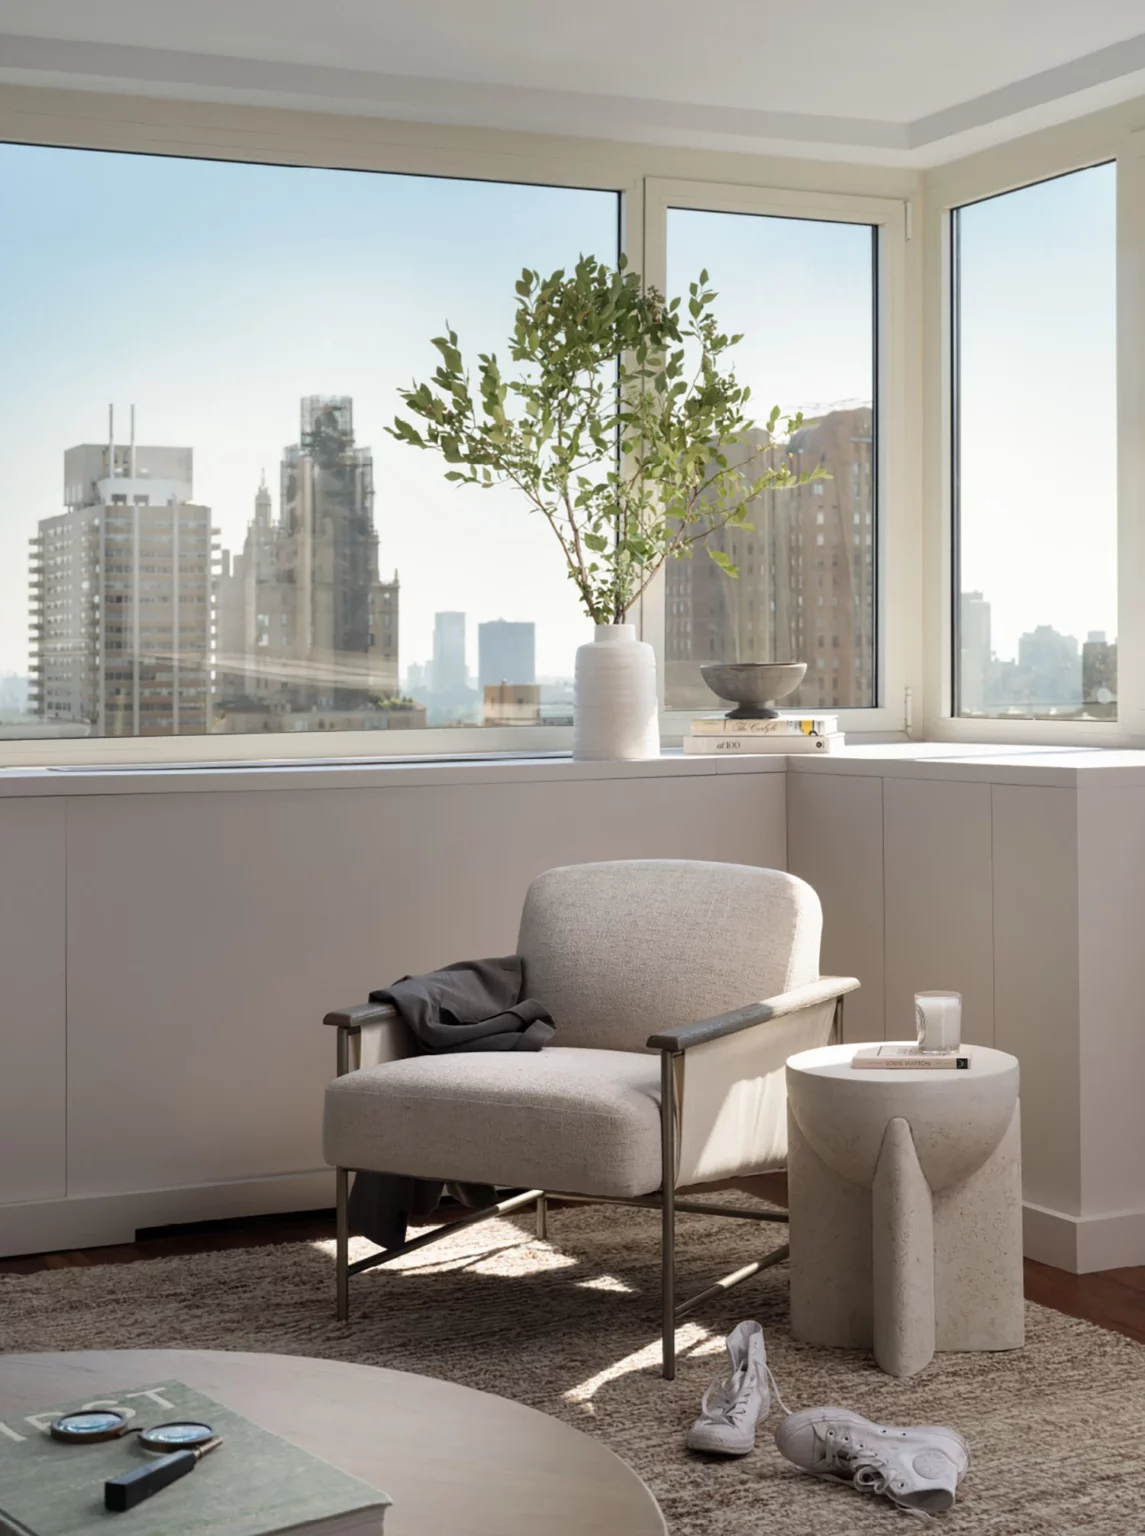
1035, 451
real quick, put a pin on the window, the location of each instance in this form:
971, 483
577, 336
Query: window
1035, 451
801, 291
338, 582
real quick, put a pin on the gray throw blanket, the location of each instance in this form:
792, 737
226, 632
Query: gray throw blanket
474, 1005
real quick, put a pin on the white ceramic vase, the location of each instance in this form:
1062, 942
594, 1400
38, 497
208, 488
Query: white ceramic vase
617, 715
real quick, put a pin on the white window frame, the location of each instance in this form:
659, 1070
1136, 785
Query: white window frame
894, 619
1041, 157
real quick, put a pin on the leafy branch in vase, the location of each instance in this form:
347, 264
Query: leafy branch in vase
623, 425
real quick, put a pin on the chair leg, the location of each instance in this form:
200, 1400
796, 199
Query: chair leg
542, 1218
668, 1214
342, 1244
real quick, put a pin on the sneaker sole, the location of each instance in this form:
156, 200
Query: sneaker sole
698, 1443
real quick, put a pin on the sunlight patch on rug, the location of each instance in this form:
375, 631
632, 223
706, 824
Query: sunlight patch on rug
642, 1360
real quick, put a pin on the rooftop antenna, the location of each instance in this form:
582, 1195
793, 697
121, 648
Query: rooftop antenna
131, 451
111, 442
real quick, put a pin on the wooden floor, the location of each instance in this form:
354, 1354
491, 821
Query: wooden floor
1113, 1298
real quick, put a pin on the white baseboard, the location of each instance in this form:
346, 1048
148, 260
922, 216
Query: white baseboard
1079, 1244
1082, 1244
45, 1226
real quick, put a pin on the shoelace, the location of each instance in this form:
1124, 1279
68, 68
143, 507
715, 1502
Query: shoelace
866, 1470
777, 1392
723, 1402
726, 1401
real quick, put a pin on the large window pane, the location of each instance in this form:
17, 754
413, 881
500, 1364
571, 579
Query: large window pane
802, 293
242, 548
1036, 450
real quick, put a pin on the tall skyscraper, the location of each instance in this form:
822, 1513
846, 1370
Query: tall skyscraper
1050, 664
1098, 675
122, 595
450, 675
506, 653
305, 621
975, 651
805, 590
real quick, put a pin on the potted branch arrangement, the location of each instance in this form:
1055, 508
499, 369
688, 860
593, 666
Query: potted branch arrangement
623, 425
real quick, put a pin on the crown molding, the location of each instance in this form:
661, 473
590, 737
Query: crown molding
1099, 79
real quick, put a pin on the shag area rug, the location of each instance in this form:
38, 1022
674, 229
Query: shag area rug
569, 1326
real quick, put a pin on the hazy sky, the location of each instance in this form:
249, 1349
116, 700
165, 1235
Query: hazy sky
214, 296
800, 292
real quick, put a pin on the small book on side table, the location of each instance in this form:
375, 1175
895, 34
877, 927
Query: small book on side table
908, 1058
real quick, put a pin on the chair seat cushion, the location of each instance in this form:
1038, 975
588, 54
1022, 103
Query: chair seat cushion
586, 1121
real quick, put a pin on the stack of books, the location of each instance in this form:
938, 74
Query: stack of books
897, 1057
788, 733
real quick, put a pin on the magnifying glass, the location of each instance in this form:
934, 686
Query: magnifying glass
108, 1424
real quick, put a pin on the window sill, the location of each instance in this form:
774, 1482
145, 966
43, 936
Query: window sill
333, 773
982, 761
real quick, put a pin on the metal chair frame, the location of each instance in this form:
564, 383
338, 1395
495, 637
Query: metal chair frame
349, 1023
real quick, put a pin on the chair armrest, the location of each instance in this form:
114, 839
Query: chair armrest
365, 1013
681, 1036
385, 1037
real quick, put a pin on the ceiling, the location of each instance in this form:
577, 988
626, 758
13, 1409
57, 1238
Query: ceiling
909, 82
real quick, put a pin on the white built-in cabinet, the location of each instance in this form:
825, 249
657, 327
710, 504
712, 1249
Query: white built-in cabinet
167, 955
170, 942
1021, 884
33, 1013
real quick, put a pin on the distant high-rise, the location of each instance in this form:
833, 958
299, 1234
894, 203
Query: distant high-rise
975, 648
1050, 664
305, 621
1099, 675
122, 595
506, 653
805, 590
450, 676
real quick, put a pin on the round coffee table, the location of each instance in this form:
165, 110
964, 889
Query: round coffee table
452, 1460
905, 1196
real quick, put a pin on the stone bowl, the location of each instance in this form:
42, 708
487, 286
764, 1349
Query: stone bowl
753, 685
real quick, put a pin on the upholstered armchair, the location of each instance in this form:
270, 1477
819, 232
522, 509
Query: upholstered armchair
678, 989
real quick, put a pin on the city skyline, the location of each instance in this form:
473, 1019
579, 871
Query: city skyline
246, 287
226, 307
143, 625
1052, 674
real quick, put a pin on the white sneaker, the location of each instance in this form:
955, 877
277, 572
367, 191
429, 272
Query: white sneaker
918, 1468
734, 1404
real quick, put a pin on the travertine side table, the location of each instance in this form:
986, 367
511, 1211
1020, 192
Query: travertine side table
905, 1193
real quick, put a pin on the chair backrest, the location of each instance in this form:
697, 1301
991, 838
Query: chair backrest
616, 951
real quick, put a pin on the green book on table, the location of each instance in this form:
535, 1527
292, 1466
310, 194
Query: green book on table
254, 1484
